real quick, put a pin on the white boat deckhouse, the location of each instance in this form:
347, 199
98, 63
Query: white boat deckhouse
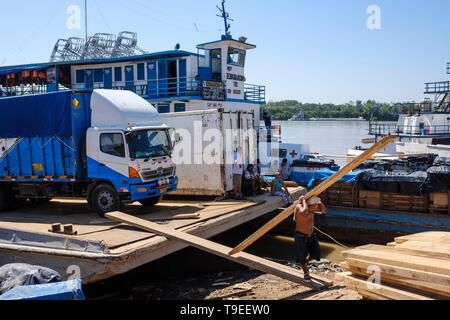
174, 81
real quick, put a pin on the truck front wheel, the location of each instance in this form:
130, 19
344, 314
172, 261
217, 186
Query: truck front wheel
105, 199
150, 202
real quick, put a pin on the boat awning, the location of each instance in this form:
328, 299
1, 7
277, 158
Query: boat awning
230, 42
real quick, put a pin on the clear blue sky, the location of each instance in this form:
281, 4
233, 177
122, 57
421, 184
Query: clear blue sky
312, 51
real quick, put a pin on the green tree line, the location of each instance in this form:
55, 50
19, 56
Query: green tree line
286, 109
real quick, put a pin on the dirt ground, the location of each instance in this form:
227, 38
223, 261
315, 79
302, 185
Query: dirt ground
245, 284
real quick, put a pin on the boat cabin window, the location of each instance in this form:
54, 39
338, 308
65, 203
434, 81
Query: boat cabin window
236, 57
216, 64
80, 76
112, 144
164, 108
141, 71
118, 74
98, 75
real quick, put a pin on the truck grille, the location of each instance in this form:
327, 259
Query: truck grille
157, 174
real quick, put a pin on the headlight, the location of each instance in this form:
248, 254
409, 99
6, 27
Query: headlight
159, 182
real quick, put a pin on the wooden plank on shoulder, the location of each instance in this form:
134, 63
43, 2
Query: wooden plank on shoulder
249, 260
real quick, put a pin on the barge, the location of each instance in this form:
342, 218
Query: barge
376, 206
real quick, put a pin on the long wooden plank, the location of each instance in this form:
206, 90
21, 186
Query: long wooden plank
425, 281
362, 291
382, 291
439, 266
249, 260
431, 236
315, 192
405, 250
430, 248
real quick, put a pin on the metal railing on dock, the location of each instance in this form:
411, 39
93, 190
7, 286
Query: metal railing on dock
392, 129
437, 87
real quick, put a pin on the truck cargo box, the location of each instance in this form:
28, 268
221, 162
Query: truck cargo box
196, 175
42, 136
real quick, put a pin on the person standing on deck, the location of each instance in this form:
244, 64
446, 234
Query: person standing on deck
306, 243
285, 170
238, 170
267, 120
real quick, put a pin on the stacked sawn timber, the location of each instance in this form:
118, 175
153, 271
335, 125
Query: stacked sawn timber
414, 267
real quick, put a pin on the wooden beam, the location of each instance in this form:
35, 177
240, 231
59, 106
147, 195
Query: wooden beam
177, 217
420, 280
433, 253
315, 192
433, 265
249, 260
380, 292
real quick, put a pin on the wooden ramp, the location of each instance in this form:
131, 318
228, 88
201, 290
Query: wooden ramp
249, 260
413, 267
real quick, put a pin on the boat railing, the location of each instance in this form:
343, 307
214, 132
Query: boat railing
437, 87
155, 89
255, 93
22, 90
421, 130
151, 89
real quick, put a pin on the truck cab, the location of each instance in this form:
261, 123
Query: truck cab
128, 147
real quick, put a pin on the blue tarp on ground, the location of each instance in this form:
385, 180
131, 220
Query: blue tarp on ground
68, 290
41, 115
326, 173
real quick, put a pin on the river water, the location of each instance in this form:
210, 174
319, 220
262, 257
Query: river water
325, 137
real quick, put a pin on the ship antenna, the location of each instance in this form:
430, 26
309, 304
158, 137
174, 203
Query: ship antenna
226, 16
86, 20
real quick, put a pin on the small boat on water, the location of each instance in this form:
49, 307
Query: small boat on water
422, 128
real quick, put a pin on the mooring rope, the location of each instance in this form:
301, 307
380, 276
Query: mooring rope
334, 240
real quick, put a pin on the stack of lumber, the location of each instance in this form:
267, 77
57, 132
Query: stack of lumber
393, 201
339, 194
414, 267
439, 202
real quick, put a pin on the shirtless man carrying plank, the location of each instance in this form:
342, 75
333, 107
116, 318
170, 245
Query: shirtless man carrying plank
306, 243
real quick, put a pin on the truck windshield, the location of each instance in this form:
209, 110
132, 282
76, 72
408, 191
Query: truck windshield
150, 143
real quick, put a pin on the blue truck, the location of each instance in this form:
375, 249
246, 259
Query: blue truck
109, 146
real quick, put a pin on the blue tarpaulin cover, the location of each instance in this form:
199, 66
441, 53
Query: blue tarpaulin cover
41, 115
326, 173
68, 290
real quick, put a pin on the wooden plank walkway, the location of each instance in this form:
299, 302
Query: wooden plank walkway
249, 260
